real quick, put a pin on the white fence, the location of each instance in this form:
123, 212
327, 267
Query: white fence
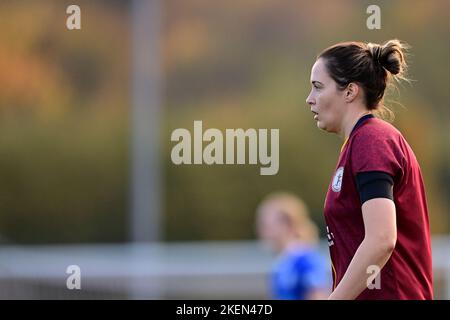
212, 270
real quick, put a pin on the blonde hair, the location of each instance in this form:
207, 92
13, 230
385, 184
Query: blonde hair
294, 212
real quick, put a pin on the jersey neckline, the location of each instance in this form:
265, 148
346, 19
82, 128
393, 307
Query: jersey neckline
361, 121
356, 126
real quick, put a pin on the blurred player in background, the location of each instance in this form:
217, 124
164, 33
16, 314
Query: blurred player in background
300, 272
375, 209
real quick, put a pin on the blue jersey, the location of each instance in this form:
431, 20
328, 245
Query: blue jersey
297, 272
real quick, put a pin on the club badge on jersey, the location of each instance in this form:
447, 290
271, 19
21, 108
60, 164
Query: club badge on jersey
337, 180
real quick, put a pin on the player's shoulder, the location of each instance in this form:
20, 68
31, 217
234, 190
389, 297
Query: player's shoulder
375, 129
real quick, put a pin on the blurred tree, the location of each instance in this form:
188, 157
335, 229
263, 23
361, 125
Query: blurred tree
64, 110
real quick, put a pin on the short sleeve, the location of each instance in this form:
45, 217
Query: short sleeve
372, 152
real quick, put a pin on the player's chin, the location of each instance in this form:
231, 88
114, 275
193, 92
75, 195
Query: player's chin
324, 127
321, 125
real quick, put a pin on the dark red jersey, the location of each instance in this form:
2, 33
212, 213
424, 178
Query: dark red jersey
375, 145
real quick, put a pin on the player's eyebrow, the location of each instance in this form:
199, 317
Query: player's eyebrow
315, 82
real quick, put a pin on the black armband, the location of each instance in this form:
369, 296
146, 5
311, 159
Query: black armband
374, 184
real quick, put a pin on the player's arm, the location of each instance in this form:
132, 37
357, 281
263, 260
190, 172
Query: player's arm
379, 215
375, 249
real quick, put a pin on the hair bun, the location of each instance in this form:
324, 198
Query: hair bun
390, 55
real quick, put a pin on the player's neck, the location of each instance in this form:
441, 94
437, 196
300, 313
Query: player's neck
350, 121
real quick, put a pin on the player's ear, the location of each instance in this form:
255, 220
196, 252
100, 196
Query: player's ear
351, 92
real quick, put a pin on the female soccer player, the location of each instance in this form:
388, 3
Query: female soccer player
375, 207
300, 270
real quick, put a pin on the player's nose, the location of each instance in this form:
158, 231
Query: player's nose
309, 100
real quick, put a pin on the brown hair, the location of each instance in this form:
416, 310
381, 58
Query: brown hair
370, 65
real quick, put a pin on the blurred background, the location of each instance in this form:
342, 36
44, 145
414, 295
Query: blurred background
86, 116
